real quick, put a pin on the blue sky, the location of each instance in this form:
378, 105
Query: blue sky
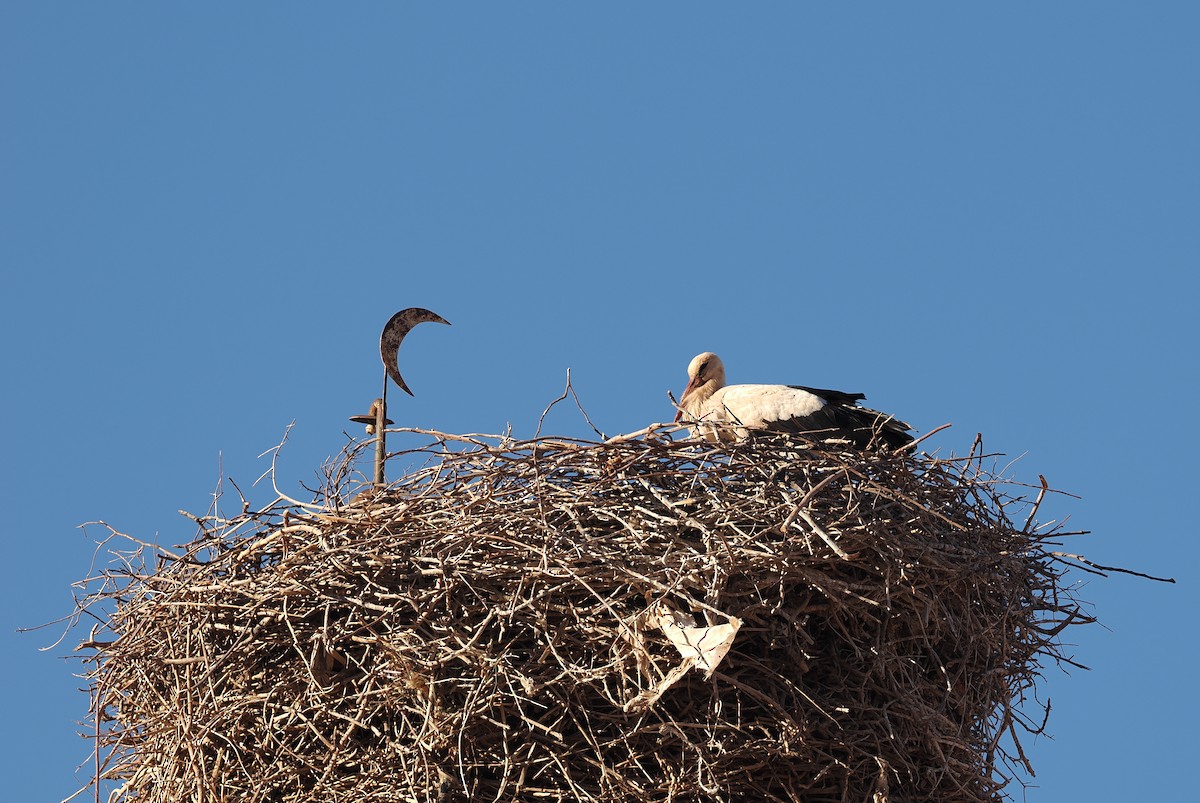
984, 215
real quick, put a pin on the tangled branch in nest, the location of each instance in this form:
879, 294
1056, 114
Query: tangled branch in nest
547, 620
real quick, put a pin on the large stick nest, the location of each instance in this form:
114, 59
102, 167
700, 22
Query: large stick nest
545, 620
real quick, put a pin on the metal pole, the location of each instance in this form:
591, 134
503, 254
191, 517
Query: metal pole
381, 435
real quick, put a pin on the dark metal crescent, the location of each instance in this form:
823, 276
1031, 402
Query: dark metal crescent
393, 334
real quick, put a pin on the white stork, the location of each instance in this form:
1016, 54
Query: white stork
721, 412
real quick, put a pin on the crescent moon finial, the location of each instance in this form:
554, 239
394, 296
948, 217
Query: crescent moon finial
393, 334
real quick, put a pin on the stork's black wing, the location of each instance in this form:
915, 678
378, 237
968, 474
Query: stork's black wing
833, 396
842, 417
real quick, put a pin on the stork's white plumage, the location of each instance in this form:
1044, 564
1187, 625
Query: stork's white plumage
720, 412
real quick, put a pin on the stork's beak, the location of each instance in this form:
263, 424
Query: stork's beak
691, 385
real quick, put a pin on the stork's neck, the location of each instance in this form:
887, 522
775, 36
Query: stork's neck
699, 395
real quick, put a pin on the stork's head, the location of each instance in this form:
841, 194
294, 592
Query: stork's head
706, 375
